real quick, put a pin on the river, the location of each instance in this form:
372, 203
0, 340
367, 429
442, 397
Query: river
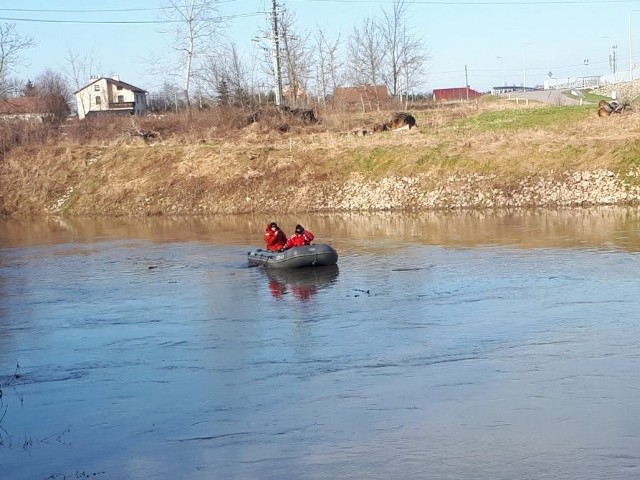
485, 346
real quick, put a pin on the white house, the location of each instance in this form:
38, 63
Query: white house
110, 96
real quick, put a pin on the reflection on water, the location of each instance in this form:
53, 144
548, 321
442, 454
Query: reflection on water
444, 346
302, 283
615, 227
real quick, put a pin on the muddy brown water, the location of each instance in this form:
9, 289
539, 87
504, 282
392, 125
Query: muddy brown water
443, 346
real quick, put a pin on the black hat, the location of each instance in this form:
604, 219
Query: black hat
299, 228
273, 224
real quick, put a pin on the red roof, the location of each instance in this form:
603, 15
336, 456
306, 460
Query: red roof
457, 93
23, 105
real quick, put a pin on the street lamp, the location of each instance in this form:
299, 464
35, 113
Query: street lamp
586, 72
611, 50
630, 54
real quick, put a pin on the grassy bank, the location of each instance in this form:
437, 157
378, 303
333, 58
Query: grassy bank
216, 162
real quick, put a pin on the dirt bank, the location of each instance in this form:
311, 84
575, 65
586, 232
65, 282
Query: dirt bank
495, 156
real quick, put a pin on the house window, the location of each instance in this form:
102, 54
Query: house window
120, 98
119, 87
96, 87
98, 100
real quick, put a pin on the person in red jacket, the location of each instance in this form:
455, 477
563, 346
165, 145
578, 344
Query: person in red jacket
300, 238
274, 237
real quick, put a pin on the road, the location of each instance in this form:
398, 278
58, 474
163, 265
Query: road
551, 97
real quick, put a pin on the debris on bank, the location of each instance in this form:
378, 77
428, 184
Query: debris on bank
608, 108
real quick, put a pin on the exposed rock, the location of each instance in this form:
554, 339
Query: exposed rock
597, 187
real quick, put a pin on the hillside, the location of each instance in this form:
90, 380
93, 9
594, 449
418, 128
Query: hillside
492, 154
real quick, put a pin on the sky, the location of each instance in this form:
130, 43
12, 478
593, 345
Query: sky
482, 43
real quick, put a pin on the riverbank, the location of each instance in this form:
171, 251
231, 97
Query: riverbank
488, 155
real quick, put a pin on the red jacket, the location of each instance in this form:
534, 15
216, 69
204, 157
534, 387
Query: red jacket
299, 239
275, 240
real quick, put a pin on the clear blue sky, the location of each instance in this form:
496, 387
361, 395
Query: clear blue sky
496, 40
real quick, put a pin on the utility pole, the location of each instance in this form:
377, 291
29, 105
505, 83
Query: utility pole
466, 82
276, 53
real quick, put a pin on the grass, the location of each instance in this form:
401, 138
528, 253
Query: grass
629, 155
594, 98
514, 120
376, 160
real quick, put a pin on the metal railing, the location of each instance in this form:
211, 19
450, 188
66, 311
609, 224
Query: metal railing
121, 105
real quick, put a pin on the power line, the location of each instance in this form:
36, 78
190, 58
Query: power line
123, 22
481, 3
103, 10
116, 22
99, 10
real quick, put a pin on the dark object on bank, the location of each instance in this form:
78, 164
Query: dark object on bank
607, 108
400, 119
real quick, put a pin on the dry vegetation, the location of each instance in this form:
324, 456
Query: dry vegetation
217, 161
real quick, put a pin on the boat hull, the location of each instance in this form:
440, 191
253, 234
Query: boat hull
318, 255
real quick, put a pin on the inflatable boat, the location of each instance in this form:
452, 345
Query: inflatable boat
318, 255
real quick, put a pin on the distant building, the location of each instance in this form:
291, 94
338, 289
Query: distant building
25, 108
458, 93
365, 96
511, 89
506, 89
110, 96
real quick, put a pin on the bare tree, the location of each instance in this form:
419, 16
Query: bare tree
165, 99
267, 67
413, 58
227, 76
79, 69
366, 53
405, 51
12, 44
296, 55
196, 26
55, 92
328, 64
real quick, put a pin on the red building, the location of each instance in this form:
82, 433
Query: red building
460, 93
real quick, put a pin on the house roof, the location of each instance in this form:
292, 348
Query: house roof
23, 105
454, 89
113, 81
455, 93
361, 92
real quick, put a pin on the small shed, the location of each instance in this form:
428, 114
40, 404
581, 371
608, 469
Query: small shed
453, 94
25, 108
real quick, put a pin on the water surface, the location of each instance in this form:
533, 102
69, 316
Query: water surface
444, 346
